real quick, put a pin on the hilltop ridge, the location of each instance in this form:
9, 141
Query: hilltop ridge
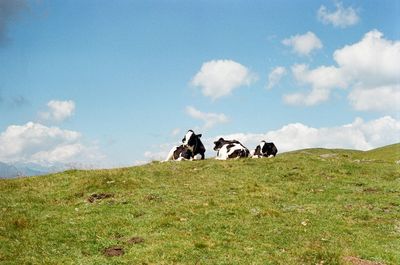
311, 206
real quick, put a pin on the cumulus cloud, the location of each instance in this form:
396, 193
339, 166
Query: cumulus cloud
342, 17
275, 76
34, 142
218, 78
373, 60
58, 110
360, 135
209, 119
321, 80
303, 44
368, 67
9, 9
378, 98
373, 64
322, 77
309, 99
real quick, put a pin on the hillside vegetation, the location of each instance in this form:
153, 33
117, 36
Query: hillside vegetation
314, 206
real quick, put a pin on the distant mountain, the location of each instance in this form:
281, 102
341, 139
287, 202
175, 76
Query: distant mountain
8, 171
27, 169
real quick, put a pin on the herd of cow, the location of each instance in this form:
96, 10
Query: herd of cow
193, 149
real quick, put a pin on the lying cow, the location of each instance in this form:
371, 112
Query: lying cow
265, 149
230, 149
191, 148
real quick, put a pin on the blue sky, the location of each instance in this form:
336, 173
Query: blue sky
125, 71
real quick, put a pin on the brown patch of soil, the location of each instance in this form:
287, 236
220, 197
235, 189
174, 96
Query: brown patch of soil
358, 261
136, 240
21, 223
100, 196
370, 190
153, 197
113, 251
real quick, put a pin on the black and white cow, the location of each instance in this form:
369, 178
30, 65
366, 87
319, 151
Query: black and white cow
179, 153
265, 149
191, 148
227, 149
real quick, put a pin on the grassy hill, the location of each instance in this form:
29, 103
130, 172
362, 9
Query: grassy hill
314, 206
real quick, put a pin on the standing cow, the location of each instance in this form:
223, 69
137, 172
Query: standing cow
191, 148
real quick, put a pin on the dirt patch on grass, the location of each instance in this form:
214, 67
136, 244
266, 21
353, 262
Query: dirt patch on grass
99, 196
113, 251
21, 223
136, 240
153, 197
370, 190
358, 261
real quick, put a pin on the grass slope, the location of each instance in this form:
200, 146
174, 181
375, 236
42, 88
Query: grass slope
314, 206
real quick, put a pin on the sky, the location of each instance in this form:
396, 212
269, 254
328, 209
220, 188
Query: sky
115, 83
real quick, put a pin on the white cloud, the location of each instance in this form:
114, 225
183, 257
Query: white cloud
219, 78
275, 76
58, 110
373, 64
341, 17
314, 97
371, 61
34, 142
378, 98
359, 135
321, 80
209, 119
303, 44
59, 153
369, 67
323, 77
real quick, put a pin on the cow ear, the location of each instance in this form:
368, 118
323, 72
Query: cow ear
199, 135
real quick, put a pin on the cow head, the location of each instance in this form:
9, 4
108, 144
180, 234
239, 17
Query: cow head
259, 149
263, 146
190, 139
219, 144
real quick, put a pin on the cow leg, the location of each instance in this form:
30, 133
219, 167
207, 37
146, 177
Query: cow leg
198, 157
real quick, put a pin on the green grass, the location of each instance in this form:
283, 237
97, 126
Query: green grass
304, 207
